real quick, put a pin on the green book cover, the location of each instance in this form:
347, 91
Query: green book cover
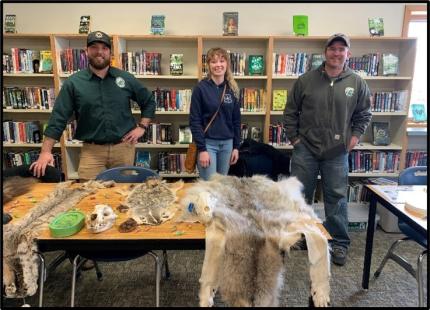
256, 65
300, 25
279, 99
10, 23
376, 26
176, 64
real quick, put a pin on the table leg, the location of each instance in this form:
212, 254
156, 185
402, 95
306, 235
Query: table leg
369, 241
42, 276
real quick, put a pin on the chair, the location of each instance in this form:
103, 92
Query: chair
124, 174
410, 176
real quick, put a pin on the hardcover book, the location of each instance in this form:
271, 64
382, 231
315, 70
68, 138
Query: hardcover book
256, 65
316, 61
176, 64
185, 136
419, 112
84, 24
390, 64
45, 65
143, 159
230, 23
381, 133
157, 24
300, 25
376, 26
256, 134
10, 23
279, 99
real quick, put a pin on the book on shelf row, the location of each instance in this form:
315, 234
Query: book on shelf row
294, 64
73, 60
358, 192
171, 162
278, 135
279, 99
22, 60
171, 99
41, 98
374, 161
22, 132
252, 100
366, 65
247, 132
393, 101
158, 134
416, 158
15, 159
142, 63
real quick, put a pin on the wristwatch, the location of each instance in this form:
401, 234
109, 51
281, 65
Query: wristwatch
142, 126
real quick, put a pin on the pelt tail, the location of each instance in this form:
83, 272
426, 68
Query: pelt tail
16, 186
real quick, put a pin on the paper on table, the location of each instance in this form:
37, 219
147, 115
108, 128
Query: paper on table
417, 204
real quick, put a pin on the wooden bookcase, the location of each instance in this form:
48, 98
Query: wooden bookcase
193, 47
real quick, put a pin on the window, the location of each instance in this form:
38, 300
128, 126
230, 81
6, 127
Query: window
415, 25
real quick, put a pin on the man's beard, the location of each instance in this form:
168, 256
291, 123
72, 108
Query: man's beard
98, 65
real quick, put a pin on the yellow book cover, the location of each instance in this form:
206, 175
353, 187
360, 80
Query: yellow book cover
279, 99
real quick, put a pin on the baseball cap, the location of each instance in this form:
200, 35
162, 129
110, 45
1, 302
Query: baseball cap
338, 37
98, 36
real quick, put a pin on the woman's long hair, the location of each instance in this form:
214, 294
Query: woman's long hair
220, 52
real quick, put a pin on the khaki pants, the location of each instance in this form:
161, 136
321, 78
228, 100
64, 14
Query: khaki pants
97, 158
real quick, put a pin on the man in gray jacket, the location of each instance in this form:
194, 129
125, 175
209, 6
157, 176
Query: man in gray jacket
327, 111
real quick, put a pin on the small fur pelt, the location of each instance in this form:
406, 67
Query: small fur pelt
20, 261
249, 221
16, 186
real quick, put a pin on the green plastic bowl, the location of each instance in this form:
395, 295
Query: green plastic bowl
67, 224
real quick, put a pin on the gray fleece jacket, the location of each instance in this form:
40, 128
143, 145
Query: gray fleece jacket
325, 112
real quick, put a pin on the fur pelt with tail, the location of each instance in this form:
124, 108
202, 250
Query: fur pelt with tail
249, 221
16, 186
20, 260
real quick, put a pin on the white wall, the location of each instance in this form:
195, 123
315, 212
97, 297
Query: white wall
206, 18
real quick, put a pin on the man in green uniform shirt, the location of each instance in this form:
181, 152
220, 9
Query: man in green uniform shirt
100, 99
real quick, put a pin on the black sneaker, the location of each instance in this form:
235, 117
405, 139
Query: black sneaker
338, 255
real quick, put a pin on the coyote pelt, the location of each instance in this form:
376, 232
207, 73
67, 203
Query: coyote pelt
249, 221
20, 261
16, 186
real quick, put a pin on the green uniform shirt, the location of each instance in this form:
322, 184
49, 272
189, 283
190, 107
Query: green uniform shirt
102, 106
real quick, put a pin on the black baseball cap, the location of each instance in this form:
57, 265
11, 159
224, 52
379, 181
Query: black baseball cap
98, 36
338, 37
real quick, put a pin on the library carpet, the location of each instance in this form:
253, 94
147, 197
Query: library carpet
131, 284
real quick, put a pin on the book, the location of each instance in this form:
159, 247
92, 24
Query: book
376, 26
279, 99
157, 24
10, 23
390, 64
256, 65
300, 25
143, 159
316, 61
84, 24
176, 64
230, 23
185, 135
419, 112
256, 134
45, 65
381, 133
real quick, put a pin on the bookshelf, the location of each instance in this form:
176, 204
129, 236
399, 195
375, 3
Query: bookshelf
16, 86
193, 47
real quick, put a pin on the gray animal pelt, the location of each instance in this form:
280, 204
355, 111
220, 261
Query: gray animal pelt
16, 186
20, 261
248, 222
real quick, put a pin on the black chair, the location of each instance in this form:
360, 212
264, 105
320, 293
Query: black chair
125, 174
410, 176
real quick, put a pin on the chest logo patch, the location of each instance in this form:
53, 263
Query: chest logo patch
120, 82
349, 91
228, 98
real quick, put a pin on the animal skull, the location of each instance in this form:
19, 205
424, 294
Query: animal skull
101, 219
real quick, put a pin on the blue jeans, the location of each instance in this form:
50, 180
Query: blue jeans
334, 175
219, 153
